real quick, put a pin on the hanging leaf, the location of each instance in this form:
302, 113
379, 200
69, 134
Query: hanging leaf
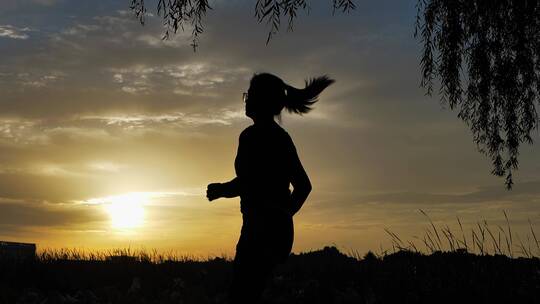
485, 54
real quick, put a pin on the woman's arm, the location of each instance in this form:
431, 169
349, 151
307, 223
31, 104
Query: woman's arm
232, 188
302, 188
229, 189
300, 181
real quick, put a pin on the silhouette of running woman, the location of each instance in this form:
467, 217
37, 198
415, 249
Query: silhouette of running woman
266, 164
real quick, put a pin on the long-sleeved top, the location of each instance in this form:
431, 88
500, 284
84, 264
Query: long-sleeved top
265, 163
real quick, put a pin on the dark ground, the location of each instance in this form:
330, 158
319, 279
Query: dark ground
324, 276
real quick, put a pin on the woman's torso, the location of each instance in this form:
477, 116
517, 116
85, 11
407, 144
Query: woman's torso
262, 165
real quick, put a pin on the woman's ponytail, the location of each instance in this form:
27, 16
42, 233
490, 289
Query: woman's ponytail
299, 101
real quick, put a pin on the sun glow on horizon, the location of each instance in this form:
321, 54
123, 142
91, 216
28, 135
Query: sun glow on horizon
127, 210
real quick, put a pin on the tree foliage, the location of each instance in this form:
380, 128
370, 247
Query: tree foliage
485, 56
176, 14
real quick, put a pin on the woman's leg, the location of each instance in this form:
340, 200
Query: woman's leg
263, 243
249, 280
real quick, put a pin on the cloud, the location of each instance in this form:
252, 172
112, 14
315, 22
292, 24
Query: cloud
155, 41
195, 78
119, 30
524, 192
29, 132
9, 5
13, 32
81, 30
97, 65
23, 215
223, 117
38, 80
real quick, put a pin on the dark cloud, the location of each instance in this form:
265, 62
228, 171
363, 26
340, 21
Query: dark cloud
20, 216
524, 194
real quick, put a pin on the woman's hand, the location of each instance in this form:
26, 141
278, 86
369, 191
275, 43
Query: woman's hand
214, 191
229, 189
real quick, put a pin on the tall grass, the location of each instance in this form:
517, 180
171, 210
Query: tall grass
485, 239
120, 254
482, 238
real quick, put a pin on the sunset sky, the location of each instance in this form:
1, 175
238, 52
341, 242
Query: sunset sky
109, 135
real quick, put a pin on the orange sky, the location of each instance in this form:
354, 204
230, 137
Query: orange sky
109, 135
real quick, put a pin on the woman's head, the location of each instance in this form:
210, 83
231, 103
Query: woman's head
268, 95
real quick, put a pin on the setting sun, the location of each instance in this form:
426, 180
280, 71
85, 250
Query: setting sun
126, 211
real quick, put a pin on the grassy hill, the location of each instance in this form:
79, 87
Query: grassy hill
323, 276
